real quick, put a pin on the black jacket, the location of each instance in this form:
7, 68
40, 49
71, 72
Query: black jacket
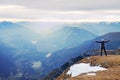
102, 42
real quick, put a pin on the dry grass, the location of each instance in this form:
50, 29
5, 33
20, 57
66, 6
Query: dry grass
104, 61
110, 74
111, 62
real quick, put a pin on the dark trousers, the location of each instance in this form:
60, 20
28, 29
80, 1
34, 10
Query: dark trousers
103, 48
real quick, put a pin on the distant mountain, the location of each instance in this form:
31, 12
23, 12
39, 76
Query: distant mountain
6, 61
64, 37
113, 44
10, 25
26, 61
100, 28
68, 37
15, 35
18, 53
113, 36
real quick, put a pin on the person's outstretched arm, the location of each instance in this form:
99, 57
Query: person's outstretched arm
98, 41
107, 41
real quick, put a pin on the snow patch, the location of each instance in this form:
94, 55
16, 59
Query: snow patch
91, 74
81, 68
36, 65
88, 57
48, 55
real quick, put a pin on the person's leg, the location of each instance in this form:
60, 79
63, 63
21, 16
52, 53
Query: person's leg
101, 51
105, 51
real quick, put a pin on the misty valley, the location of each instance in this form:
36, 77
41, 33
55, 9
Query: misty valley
31, 50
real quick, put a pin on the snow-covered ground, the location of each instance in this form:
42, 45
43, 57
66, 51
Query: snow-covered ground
91, 74
81, 68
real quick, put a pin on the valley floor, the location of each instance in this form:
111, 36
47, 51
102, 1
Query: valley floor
110, 62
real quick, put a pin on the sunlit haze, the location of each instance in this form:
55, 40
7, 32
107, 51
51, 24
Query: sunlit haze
43, 28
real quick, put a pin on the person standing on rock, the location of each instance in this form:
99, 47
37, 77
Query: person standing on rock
102, 42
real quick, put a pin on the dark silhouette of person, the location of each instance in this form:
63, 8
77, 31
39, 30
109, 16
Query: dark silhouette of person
102, 42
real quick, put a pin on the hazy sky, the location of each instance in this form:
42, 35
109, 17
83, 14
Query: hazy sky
60, 10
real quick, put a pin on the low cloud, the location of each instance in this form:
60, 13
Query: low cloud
60, 10
17, 14
64, 4
36, 65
